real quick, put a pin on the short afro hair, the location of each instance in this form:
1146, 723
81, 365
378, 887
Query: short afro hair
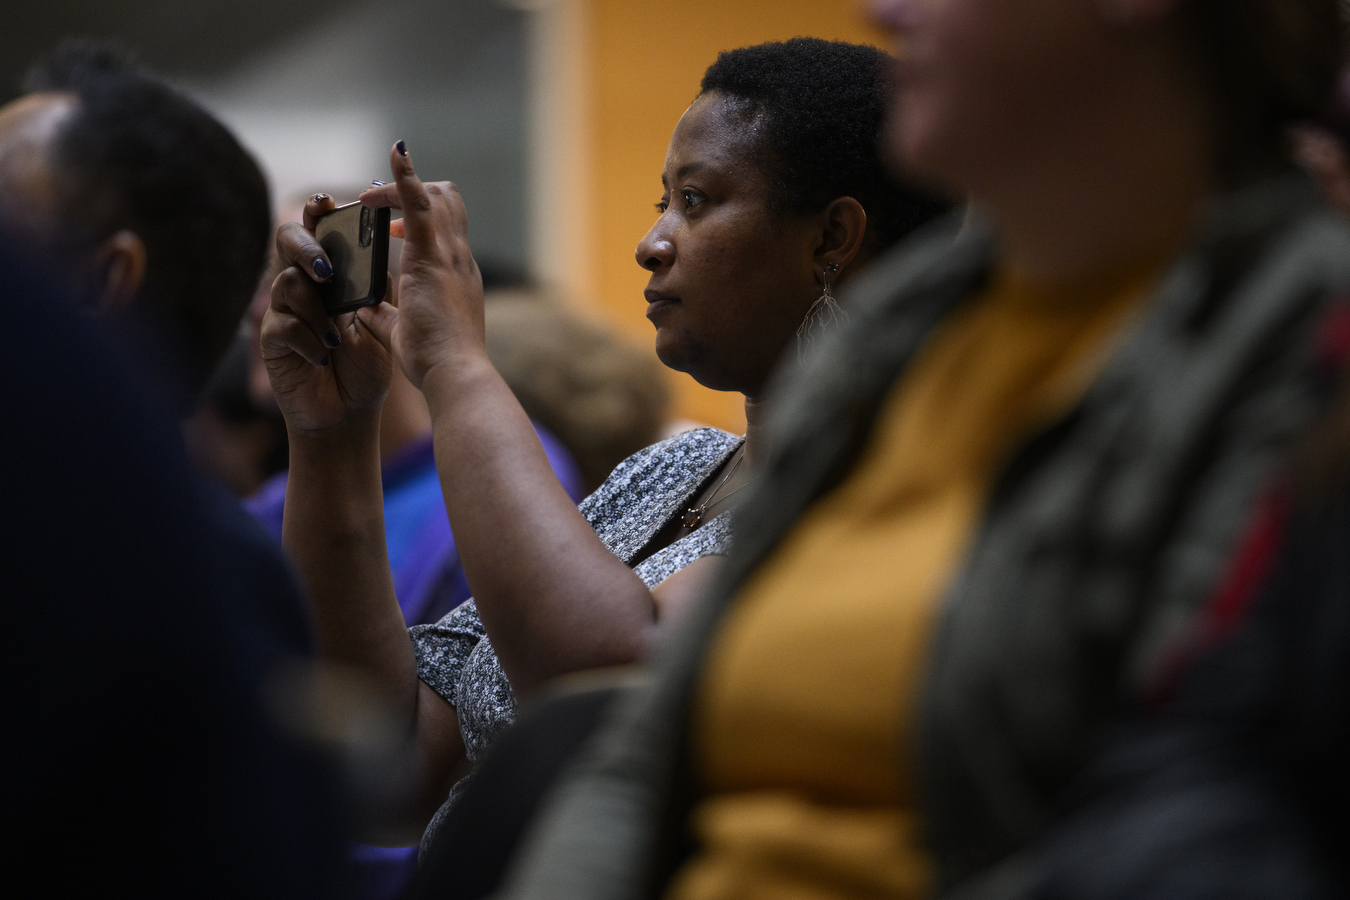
820, 107
136, 154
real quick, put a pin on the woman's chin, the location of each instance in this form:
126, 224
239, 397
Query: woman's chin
699, 361
673, 352
679, 355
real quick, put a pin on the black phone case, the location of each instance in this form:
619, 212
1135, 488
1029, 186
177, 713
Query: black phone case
360, 262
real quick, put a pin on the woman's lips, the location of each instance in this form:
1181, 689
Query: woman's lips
657, 301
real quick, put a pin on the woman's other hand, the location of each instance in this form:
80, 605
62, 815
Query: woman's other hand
440, 292
325, 371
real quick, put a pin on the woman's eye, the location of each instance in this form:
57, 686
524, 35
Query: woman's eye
691, 198
663, 205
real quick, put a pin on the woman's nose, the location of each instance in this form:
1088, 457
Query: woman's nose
656, 250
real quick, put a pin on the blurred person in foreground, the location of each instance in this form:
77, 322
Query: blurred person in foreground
141, 755
771, 196
230, 439
144, 205
1231, 781
996, 508
154, 612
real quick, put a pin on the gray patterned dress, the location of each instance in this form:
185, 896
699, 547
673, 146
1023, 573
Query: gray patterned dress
641, 495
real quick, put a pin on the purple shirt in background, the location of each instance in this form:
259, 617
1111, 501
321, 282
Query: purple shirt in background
428, 580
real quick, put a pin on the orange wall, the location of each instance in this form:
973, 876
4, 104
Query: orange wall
645, 61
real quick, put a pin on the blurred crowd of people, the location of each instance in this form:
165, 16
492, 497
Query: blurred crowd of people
1028, 579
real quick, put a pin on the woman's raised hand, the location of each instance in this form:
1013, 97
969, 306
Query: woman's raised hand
440, 292
325, 371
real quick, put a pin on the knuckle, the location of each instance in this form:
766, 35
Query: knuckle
293, 241
287, 281
268, 331
295, 292
294, 334
277, 335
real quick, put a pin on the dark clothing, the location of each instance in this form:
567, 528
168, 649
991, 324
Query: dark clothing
143, 615
1236, 786
469, 853
1104, 536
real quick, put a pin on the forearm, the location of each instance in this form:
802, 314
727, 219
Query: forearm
552, 597
334, 530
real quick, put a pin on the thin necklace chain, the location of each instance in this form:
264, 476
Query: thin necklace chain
694, 515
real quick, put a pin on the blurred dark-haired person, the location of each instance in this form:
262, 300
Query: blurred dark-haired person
772, 195
1007, 492
229, 438
143, 205
146, 614
145, 211
141, 756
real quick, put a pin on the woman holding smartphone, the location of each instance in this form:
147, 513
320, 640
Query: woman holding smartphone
772, 195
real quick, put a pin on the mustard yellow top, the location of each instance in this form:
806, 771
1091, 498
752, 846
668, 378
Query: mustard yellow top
803, 724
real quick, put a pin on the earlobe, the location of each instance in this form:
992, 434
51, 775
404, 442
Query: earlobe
120, 263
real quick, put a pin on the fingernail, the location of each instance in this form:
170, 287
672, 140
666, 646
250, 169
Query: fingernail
330, 337
401, 147
322, 268
378, 183
323, 361
318, 198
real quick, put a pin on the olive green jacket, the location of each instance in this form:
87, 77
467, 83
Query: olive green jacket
1105, 534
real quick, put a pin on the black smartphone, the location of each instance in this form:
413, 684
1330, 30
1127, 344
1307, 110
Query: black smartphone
356, 239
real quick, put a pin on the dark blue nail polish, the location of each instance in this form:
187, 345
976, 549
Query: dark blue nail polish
318, 198
378, 183
401, 147
323, 361
322, 269
330, 337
